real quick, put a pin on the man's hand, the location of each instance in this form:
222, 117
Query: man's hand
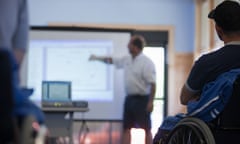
19, 55
151, 97
150, 106
93, 58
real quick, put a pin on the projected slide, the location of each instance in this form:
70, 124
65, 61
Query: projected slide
68, 61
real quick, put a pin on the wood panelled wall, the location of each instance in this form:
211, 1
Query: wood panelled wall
205, 36
182, 66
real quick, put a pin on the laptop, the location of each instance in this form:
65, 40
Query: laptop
56, 94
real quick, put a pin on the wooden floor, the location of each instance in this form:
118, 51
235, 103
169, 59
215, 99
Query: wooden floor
91, 133
98, 133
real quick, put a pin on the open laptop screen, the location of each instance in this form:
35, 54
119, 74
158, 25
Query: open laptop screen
56, 91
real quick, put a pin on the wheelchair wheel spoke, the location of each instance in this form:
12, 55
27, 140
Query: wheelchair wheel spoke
189, 137
186, 135
191, 131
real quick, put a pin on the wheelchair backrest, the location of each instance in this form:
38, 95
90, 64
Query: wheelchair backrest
230, 116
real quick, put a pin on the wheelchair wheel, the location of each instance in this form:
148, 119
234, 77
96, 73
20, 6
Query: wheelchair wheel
191, 131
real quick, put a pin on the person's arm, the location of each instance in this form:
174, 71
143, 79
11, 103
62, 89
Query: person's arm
107, 60
187, 95
19, 55
196, 79
149, 75
151, 97
20, 37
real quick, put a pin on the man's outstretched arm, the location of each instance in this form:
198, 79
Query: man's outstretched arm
107, 60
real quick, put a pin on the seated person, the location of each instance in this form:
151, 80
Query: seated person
22, 105
15, 104
211, 66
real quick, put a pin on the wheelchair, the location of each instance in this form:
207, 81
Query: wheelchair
190, 131
222, 130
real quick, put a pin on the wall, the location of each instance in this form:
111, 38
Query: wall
178, 14
206, 38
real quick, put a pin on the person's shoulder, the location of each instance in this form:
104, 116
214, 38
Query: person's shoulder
223, 49
211, 54
146, 59
143, 57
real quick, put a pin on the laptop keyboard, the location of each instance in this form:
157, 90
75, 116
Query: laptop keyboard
57, 104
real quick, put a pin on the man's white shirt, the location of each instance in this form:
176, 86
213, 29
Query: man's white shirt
139, 73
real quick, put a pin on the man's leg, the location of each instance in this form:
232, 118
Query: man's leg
128, 120
148, 137
126, 136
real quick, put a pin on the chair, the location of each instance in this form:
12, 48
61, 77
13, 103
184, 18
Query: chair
222, 130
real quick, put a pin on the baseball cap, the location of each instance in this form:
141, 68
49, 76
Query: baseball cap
227, 15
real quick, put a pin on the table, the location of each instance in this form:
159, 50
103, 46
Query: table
58, 124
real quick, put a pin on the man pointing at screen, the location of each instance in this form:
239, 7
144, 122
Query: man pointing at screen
140, 84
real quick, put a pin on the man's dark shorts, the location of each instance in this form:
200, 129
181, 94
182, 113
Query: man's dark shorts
135, 113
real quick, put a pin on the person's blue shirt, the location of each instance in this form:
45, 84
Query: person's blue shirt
23, 106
